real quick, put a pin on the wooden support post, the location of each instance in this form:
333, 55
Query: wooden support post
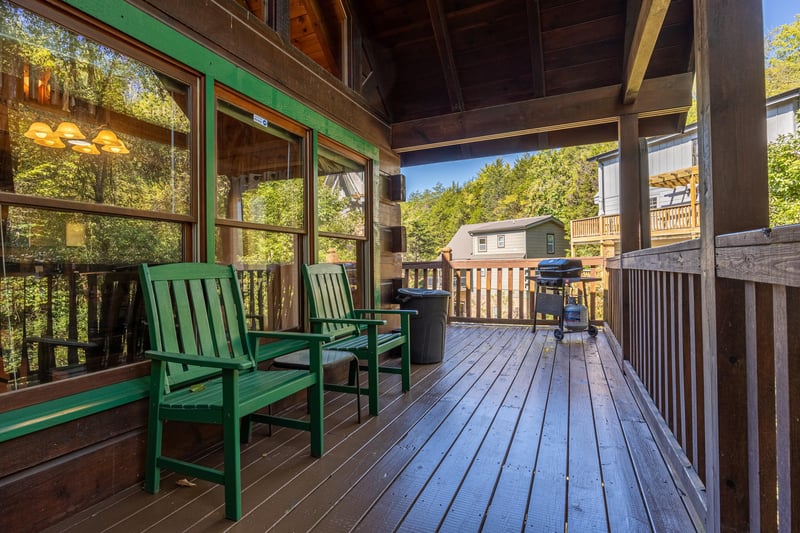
630, 204
733, 182
644, 194
447, 276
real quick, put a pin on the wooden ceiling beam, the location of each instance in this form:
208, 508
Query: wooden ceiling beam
660, 96
442, 36
648, 26
535, 40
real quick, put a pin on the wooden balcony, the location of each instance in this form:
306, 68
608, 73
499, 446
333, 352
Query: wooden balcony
511, 431
667, 225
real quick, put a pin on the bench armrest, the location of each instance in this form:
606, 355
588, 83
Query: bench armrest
292, 335
235, 363
411, 312
353, 321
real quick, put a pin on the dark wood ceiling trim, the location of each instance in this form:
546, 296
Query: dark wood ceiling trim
599, 133
537, 56
445, 48
648, 26
660, 96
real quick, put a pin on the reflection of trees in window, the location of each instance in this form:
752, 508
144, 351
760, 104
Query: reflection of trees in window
260, 201
340, 194
341, 197
81, 206
53, 76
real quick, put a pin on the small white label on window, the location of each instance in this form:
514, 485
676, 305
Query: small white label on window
260, 120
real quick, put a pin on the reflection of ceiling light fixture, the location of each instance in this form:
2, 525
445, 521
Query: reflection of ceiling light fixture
106, 137
118, 148
87, 148
39, 130
50, 142
43, 135
68, 130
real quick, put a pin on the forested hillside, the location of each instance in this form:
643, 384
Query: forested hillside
560, 182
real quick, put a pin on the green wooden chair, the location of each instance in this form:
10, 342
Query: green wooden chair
331, 312
204, 370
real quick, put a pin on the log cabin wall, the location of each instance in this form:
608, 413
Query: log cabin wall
49, 473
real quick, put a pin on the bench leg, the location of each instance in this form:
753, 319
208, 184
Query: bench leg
152, 473
316, 418
353, 379
155, 429
405, 366
372, 383
231, 448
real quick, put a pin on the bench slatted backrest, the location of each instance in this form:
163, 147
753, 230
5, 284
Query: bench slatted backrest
194, 308
329, 296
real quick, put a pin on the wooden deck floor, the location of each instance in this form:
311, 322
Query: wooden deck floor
511, 432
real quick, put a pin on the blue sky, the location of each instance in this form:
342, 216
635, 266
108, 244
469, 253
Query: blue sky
418, 178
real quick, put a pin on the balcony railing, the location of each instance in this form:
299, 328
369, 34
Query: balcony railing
678, 221
656, 312
495, 291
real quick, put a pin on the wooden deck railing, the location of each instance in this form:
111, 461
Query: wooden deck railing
494, 291
655, 313
666, 221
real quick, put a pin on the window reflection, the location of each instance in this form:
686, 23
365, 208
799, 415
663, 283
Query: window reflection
268, 265
95, 178
259, 169
83, 122
342, 216
69, 298
261, 185
341, 194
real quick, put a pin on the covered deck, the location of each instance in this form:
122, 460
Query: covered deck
512, 431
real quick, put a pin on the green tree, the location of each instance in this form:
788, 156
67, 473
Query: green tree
783, 157
782, 60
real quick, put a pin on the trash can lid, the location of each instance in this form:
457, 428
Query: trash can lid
422, 293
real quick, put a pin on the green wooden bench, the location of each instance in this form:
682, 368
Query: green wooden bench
204, 370
331, 312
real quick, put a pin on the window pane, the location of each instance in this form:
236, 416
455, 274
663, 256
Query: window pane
551, 243
270, 274
68, 291
340, 194
259, 169
345, 252
83, 122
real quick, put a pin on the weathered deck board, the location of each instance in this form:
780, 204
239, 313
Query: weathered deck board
511, 431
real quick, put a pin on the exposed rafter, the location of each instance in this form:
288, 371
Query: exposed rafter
661, 96
319, 22
648, 26
535, 39
445, 48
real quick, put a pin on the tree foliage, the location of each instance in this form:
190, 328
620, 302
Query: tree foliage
782, 60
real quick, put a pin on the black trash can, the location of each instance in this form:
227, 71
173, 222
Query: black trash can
428, 327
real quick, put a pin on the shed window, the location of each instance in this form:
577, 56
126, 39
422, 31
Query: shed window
551, 243
501, 241
481, 244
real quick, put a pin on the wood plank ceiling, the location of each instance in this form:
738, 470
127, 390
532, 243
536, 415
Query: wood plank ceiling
468, 78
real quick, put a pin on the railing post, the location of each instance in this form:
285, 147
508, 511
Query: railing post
447, 276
